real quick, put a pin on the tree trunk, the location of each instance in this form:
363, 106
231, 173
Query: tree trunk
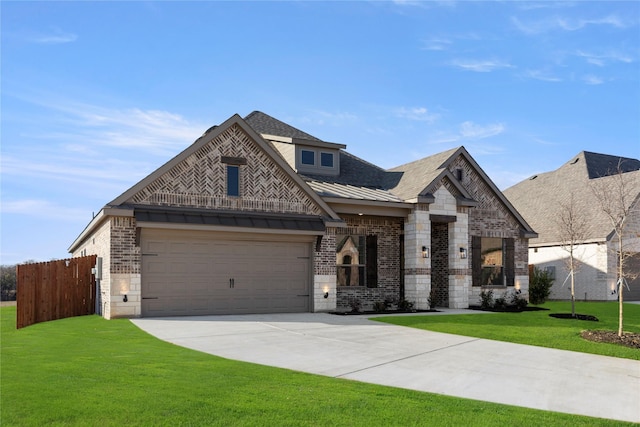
620, 285
573, 285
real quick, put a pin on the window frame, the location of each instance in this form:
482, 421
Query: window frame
507, 266
233, 187
302, 155
367, 265
333, 160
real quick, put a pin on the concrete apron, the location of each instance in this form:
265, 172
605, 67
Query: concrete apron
355, 348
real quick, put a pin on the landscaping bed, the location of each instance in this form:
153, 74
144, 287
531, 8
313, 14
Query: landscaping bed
628, 339
576, 316
507, 309
371, 312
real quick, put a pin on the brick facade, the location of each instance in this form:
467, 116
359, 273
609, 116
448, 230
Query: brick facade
440, 264
197, 179
388, 231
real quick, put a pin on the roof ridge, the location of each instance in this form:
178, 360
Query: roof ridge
265, 124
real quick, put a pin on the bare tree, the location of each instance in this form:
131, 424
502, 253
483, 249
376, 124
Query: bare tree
615, 197
572, 229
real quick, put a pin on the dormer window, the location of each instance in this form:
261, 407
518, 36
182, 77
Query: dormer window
317, 160
326, 160
308, 157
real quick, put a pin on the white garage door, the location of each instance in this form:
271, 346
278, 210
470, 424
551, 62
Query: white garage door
198, 273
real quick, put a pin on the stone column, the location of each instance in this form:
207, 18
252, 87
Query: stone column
417, 269
459, 267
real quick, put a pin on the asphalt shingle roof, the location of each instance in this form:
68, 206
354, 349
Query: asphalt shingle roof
416, 176
265, 124
540, 198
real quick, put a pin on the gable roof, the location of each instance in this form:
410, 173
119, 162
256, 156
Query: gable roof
267, 125
417, 176
420, 178
210, 135
540, 198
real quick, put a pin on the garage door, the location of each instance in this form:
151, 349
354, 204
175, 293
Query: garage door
199, 273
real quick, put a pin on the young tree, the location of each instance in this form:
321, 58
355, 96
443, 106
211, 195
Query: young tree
572, 229
615, 196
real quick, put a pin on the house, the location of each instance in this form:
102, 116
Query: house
542, 198
257, 216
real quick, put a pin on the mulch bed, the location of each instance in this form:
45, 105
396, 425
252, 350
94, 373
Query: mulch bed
627, 339
355, 313
508, 309
577, 316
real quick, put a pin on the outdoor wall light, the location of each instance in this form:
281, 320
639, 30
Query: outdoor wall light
326, 294
325, 289
463, 253
425, 252
124, 298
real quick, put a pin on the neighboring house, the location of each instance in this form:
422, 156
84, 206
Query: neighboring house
257, 216
540, 199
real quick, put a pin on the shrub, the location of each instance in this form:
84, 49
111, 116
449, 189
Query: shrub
433, 297
389, 301
379, 306
517, 301
540, 286
404, 305
355, 305
486, 299
500, 303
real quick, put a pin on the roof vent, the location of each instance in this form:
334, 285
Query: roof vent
533, 177
575, 161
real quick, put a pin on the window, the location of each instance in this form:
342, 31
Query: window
308, 157
357, 260
493, 261
233, 180
326, 160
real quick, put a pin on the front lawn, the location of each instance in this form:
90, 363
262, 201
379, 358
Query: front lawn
537, 327
87, 371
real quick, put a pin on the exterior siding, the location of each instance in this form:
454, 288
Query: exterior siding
592, 280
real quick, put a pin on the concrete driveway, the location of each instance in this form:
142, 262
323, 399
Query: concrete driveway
355, 348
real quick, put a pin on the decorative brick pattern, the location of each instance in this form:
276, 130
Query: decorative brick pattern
440, 263
200, 181
125, 255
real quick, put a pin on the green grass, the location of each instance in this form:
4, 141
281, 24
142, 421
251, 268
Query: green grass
537, 327
87, 371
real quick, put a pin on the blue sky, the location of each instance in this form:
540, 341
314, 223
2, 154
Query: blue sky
96, 95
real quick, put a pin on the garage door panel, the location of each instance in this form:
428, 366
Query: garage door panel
196, 274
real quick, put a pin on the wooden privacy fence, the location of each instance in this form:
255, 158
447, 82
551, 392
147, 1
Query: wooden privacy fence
55, 290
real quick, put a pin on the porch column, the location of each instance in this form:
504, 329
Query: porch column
417, 268
459, 262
